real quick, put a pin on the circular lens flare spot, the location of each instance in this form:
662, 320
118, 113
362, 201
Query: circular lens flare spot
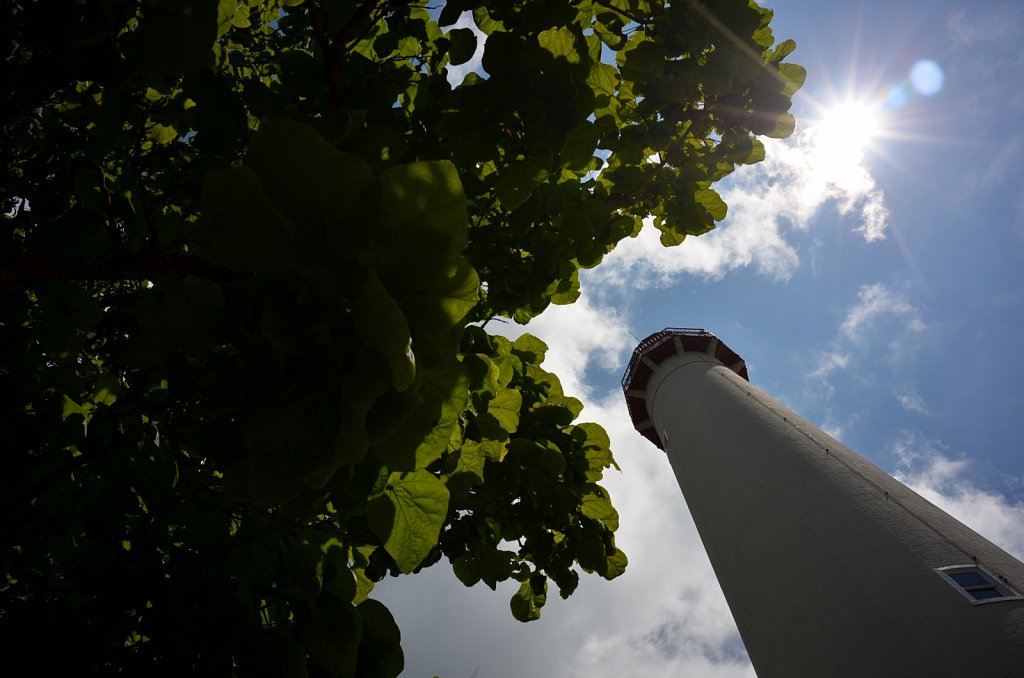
926, 77
898, 96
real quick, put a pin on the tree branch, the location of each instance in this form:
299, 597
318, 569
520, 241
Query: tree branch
335, 54
317, 21
632, 17
15, 272
353, 24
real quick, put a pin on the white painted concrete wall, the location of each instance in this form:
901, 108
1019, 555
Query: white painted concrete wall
826, 561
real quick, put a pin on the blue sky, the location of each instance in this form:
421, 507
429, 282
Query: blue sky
880, 296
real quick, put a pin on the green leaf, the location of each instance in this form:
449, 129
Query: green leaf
643, 61
425, 224
526, 602
782, 50
364, 586
517, 181
784, 127
332, 639
596, 504
362, 389
175, 36
246, 233
594, 441
463, 45
380, 649
449, 13
467, 569
530, 348
237, 411
318, 187
440, 309
279, 655
764, 37
794, 76
504, 407
757, 154
482, 18
306, 567
382, 326
160, 133
419, 438
560, 43
469, 469
565, 290
616, 565
226, 10
483, 372
604, 80
338, 579
492, 566
712, 202
408, 516
590, 548
241, 19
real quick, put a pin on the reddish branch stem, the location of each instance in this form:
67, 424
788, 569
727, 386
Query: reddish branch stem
34, 269
334, 49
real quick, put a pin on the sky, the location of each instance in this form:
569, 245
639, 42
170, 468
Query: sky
870, 274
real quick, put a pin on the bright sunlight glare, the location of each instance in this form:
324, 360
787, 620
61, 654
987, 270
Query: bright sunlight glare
840, 137
845, 132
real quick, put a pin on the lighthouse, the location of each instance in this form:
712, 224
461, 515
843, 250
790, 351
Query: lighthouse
831, 567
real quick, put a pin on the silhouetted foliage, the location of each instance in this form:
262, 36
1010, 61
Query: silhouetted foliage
246, 250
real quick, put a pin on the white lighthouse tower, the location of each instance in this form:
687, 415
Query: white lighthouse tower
831, 568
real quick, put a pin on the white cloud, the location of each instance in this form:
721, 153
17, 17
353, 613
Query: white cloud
911, 402
875, 301
832, 428
578, 335
665, 616
874, 217
941, 479
878, 314
831, 361
456, 74
767, 201
581, 334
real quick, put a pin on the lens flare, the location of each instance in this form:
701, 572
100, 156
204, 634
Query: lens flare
926, 77
842, 135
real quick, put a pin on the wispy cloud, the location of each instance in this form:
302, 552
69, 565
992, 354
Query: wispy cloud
768, 202
862, 356
832, 426
875, 301
879, 315
929, 469
829, 362
911, 401
984, 49
994, 25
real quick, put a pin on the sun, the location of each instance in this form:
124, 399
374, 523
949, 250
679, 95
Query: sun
841, 135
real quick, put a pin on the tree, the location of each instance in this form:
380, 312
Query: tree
249, 251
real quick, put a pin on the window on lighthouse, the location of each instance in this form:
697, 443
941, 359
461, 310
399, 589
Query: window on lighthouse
976, 583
